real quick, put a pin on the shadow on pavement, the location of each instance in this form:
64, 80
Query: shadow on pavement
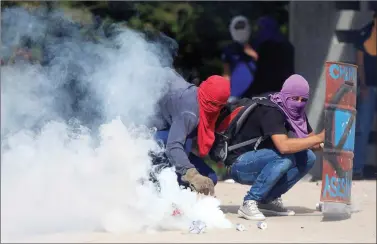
298, 209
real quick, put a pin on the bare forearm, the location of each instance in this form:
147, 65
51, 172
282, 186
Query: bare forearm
226, 76
294, 145
317, 146
226, 71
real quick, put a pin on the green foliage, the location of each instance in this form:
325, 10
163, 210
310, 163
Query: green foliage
25, 4
176, 18
200, 28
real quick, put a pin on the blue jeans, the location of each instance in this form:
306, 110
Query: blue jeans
270, 173
198, 162
366, 107
232, 99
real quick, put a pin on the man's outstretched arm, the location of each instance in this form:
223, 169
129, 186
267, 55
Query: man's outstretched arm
286, 145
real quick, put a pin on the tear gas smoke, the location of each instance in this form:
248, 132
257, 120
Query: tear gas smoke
76, 164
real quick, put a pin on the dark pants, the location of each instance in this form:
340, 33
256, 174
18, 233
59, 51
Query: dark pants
199, 163
270, 173
366, 107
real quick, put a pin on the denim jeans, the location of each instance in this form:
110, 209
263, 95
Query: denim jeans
198, 162
270, 173
233, 99
366, 107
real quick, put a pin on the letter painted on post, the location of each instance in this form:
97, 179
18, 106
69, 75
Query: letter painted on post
337, 187
348, 73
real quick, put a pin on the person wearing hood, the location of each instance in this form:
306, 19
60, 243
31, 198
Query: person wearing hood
268, 30
239, 58
188, 112
367, 95
276, 58
282, 158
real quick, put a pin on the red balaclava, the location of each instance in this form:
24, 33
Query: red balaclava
213, 94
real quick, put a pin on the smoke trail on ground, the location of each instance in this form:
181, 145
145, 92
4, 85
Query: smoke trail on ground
77, 164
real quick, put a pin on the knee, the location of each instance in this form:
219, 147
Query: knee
311, 158
286, 163
213, 177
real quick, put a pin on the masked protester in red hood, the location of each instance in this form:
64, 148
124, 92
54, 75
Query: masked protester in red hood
188, 112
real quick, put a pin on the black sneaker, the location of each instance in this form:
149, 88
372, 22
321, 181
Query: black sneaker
357, 176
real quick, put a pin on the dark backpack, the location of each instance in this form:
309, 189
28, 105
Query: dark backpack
231, 119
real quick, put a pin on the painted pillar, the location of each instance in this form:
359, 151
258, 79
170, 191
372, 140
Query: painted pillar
340, 118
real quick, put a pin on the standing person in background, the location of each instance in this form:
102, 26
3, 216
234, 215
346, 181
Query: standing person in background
239, 58
276, 58
268, 30
367, 97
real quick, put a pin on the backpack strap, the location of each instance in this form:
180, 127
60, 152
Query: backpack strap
256, 140
246, 113
225, 122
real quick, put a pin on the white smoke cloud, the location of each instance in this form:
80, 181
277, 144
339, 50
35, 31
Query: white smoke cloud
78, 165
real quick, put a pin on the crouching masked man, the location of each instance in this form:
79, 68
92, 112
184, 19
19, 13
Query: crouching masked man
258, 151
186, 112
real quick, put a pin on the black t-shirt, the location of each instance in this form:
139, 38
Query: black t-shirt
263, 121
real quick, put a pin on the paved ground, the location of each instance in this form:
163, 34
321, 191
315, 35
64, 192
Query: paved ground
307, 226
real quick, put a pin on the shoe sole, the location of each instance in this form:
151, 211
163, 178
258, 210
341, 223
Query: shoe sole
242, 214
271, 212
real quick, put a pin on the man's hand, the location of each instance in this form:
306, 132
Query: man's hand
250, 51
321, 135
198, 182
226, 71
286, 145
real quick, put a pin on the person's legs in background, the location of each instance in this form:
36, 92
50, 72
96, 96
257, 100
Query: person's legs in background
364, 122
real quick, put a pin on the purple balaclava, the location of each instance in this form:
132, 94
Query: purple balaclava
294, 86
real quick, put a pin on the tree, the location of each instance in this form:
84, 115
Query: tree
200, 28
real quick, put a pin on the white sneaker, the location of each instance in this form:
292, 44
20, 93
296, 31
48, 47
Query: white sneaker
231, 181
275, 207
249, 210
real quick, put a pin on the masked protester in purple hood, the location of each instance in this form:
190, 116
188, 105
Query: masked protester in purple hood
282, 158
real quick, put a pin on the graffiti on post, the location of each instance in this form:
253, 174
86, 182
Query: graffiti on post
340, 113
345, 72
337, 188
